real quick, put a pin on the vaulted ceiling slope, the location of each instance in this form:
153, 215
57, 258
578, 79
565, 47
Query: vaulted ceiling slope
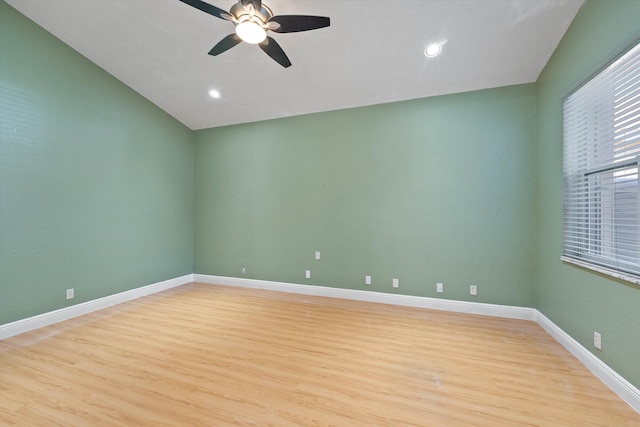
372, 53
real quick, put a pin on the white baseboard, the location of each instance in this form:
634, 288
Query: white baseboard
495, 310
31, 323
627, 391
620, 386
623, 388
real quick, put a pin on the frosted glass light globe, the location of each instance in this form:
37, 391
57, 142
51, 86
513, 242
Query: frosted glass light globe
251, 32
433, 50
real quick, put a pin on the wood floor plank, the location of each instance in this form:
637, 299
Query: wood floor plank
206, 355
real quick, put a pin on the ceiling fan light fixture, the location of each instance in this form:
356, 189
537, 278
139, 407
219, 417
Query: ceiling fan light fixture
251, 32
433, 50
253, 19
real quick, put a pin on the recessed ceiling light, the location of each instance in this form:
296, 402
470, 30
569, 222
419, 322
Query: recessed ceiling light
215, 94
434, 49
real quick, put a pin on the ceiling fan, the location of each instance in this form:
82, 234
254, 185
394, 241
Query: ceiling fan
253, 19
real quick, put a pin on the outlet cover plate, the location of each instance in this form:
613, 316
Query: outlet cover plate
597, 340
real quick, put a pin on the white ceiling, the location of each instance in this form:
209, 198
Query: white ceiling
372, 53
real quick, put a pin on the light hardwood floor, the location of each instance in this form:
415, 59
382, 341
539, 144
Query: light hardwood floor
205, 355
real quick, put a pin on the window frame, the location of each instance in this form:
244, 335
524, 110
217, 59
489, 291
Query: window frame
585, 254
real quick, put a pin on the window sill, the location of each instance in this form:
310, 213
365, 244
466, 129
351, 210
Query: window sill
627, 277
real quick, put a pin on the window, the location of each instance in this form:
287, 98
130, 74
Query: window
600, 168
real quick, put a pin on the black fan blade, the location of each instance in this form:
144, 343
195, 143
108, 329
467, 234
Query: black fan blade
257, 4
225, 44
273, 49
295, 23
206, 7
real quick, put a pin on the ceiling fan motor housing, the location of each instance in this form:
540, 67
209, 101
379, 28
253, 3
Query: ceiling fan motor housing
242, 14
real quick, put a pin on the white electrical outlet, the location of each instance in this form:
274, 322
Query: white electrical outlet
70, 293
317, 254
439, 288
473, 290
307, 274
395, 283
244, 270
367, 280
597, 340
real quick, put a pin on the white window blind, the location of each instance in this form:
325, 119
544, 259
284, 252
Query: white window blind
600, 167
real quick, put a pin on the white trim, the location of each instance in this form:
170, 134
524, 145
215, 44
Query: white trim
623, 388
495, 310
31, 323
602, 270
627, 391
620, 386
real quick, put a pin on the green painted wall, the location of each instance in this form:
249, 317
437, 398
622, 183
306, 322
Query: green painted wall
436, 189
97, 190
578, 300
96, 184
